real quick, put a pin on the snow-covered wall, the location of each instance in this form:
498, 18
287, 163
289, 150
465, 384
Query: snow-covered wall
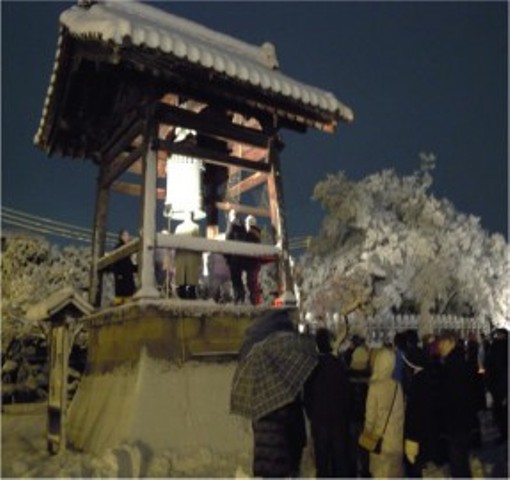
180, 413
158, 381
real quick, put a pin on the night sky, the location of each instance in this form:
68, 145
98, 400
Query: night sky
428, 76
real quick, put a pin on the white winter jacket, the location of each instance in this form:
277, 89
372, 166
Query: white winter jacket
380, 395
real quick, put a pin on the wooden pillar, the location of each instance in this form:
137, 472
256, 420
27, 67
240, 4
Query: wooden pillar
59, 346
275, 190
98, 239
146, 271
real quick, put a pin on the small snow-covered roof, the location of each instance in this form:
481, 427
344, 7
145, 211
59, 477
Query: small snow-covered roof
58, 301
133, 23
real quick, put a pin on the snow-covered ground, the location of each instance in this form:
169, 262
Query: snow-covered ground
24, 454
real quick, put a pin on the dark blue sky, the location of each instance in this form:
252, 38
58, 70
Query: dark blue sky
419, 76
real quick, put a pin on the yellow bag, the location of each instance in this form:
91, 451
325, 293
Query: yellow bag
370, 442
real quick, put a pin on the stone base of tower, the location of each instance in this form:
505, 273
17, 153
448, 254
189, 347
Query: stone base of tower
157, 388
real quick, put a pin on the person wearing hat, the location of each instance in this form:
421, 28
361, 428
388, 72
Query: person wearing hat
252, 264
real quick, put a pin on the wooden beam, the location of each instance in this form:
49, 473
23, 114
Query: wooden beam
98, 239
137, 167
200, 244
117, 167
278, 219
203, 124
135, 189
248, 183
121, 252
210, 156
254, 154
123, 138
255, 211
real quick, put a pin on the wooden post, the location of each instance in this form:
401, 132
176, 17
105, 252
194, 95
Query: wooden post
148, 288
99, 238
275, 190
57, 391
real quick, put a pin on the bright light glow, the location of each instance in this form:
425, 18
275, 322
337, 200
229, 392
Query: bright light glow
183, 188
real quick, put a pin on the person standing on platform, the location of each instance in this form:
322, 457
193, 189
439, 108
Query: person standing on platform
187, 262
123, 272
252, 264
236, 232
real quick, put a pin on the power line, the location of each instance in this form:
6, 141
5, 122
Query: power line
38, 229
48, 226
48, 221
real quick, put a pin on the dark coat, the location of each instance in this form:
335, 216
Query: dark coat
358, 386
457, 408
420, 414
327, 395
123, 273
237, 232
279, 438
496, 367
327, 404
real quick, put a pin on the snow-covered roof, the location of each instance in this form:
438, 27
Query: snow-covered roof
144, 25
56, 302
134, 23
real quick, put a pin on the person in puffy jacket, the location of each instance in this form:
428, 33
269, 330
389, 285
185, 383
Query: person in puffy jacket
385, 403
278, 441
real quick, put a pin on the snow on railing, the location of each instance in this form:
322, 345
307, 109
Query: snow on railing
383, 328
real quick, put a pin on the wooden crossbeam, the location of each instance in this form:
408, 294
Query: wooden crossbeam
122, 139
224, 130
134, 189
210, 156
118, 166
121, 252
248, 183
200, 244
245, 209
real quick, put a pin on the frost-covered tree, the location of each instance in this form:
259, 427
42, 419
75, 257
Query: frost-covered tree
32, 269
401, 249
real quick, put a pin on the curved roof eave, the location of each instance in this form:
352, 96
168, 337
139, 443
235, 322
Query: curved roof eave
144, 26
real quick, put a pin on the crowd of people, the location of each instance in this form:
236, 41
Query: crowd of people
419, 399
